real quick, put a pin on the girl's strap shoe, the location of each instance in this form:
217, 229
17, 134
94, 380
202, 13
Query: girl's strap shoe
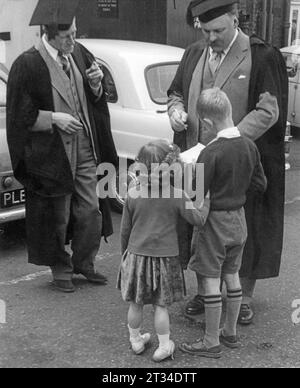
164, 352
138, 345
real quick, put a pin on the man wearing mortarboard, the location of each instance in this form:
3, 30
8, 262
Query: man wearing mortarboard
253, 75
58, 131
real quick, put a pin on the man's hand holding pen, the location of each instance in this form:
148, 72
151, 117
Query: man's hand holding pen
179, 120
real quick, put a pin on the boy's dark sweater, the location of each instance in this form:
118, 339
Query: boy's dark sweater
232, 166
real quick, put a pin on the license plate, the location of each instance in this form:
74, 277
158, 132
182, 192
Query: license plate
12, 198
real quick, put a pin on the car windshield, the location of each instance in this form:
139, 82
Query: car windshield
2, 93
159, 78
4, 156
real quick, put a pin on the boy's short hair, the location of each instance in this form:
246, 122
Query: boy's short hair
214, 104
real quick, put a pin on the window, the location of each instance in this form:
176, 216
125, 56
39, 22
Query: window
158, 79
294, 37
292, 60
2, 92
109, 84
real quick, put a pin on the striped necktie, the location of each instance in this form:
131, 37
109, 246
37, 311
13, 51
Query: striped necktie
214, 61
65, 63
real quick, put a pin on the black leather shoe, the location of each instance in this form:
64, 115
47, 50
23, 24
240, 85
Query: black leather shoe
231, 342
195, 306
64, 285
95, 277
199, 349
246, 315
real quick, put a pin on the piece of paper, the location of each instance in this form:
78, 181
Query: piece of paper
191, 156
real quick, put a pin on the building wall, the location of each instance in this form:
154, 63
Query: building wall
14, 19
268, 19
142, 20
160, 21
179, 33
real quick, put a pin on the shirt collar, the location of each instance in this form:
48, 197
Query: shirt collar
53, 52
229, 133
226, 51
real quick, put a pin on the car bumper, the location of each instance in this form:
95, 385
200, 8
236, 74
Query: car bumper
12, 215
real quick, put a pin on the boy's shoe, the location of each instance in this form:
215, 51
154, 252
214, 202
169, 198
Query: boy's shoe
138, 345
199, 349
231, 341
195, 306
164, 352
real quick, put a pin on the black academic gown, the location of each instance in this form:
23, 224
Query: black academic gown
264, 214
39, 160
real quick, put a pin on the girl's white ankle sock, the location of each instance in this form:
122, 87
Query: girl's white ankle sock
164, 340
134, 333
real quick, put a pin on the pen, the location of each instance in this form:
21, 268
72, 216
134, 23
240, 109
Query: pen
178, 114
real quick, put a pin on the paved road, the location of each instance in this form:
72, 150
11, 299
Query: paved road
46, 328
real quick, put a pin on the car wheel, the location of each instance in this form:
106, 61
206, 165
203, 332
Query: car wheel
118, 191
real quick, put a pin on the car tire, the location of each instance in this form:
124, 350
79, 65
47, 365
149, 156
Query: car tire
118, 200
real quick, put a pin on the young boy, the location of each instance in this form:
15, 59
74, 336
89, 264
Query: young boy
231, 167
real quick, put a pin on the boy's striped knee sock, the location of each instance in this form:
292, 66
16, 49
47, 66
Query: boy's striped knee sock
213, 312
233, 305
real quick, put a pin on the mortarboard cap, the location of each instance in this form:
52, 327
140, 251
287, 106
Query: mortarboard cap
54, 12
207, 10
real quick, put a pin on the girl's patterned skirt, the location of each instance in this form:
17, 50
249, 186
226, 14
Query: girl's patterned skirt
151, 280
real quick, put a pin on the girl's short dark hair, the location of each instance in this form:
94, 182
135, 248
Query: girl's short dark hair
52, 30
159, 152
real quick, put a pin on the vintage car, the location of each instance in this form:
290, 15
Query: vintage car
12, 194
292, 58
291, 55
137, 76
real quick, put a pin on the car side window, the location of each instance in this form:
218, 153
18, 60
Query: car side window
109, 85
2, 93
159, 78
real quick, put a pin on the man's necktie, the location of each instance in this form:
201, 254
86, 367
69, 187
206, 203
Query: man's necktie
65, 63
214, 61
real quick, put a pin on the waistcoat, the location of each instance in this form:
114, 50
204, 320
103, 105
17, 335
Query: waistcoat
69, 97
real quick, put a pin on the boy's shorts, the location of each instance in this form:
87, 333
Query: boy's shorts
218, 247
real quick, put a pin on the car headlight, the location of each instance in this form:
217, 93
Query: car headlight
7, 182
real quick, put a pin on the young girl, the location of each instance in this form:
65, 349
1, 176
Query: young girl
150, 272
